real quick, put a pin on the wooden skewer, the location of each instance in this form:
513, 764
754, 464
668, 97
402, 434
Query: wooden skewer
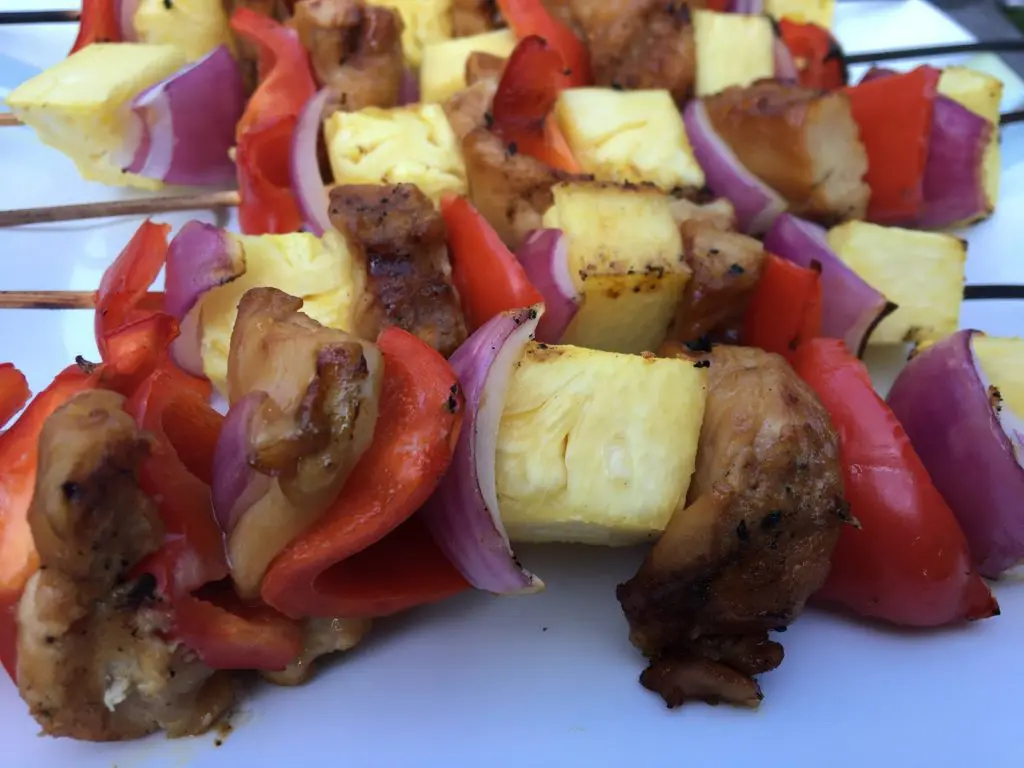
143, 206
38, 17
7, 119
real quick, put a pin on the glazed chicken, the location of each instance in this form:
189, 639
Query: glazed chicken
402, 240
765, 509
92, 662
802, 143
355, 50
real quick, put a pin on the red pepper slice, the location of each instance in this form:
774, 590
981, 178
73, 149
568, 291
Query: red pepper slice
19, 459
97, 24
265, 131
526, 94
908, 563
365, 557
14, 392
530, 17
486, 274
816, 54
894, 116
785, 310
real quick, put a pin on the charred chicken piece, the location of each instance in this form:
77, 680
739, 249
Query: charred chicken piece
402, 240
766, 507
92, 660
726, 267
475, 17
355, 50
470, 108
802, 143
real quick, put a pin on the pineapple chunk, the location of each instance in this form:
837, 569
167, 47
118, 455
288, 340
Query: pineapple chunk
321, 272
80, 106
982, 94
922, 272
818, 12
426, 22
443, 71
596, 447
194, 26
413, 145
625, 136
732, 49
626, 258
1002, 360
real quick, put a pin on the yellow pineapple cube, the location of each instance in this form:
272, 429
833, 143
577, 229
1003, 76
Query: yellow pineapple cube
443, 71
1002, 360
194, 26
426, 22
818, 12
732, 49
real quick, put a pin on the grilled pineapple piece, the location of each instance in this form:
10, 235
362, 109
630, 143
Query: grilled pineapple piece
626, 258
443, 71
596, 447
922, 272
320, 271
1002, 359
732, 49
80, 105
426, 22
818, 12
414, 145
628, 136
982, 94
194, 26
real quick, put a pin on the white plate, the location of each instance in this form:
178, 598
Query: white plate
550, 679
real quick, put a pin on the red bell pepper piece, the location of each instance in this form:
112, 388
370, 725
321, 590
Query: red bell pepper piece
526, 94
264, 133
530, 17
785, 310
97, 24
816, 54
365, 557
13, 392
894, 116
908, 563
19, 461
486, 274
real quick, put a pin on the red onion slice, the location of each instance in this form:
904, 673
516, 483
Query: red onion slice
307, 183
544, 255
757, 205
785, 67
409, 91
971, 444
746, 6
124, 12
188, 123
463, 513
199, 258
236, 485
852, 308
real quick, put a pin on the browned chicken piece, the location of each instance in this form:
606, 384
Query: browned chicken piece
92, 662
470, 108
802, 143
726, 267
718, 213
403, 241
484, 66
766, 507
322, 637
355, 50
248, 54
475, 17
639, 43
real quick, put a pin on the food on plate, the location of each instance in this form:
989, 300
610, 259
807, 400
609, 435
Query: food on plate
443, 71
819, 12
922, 272
596, 447
907, 560
764, 511
626, 259
424, 23
195, 27
413, 145
961, 402
732, 49
785, 309
628, 136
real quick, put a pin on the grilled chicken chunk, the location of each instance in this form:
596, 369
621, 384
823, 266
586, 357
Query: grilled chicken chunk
726, 267
402, 240
718, 213
475, 17
766, 507
469, 108
322, 637
92, 662
802, 143
355, 50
